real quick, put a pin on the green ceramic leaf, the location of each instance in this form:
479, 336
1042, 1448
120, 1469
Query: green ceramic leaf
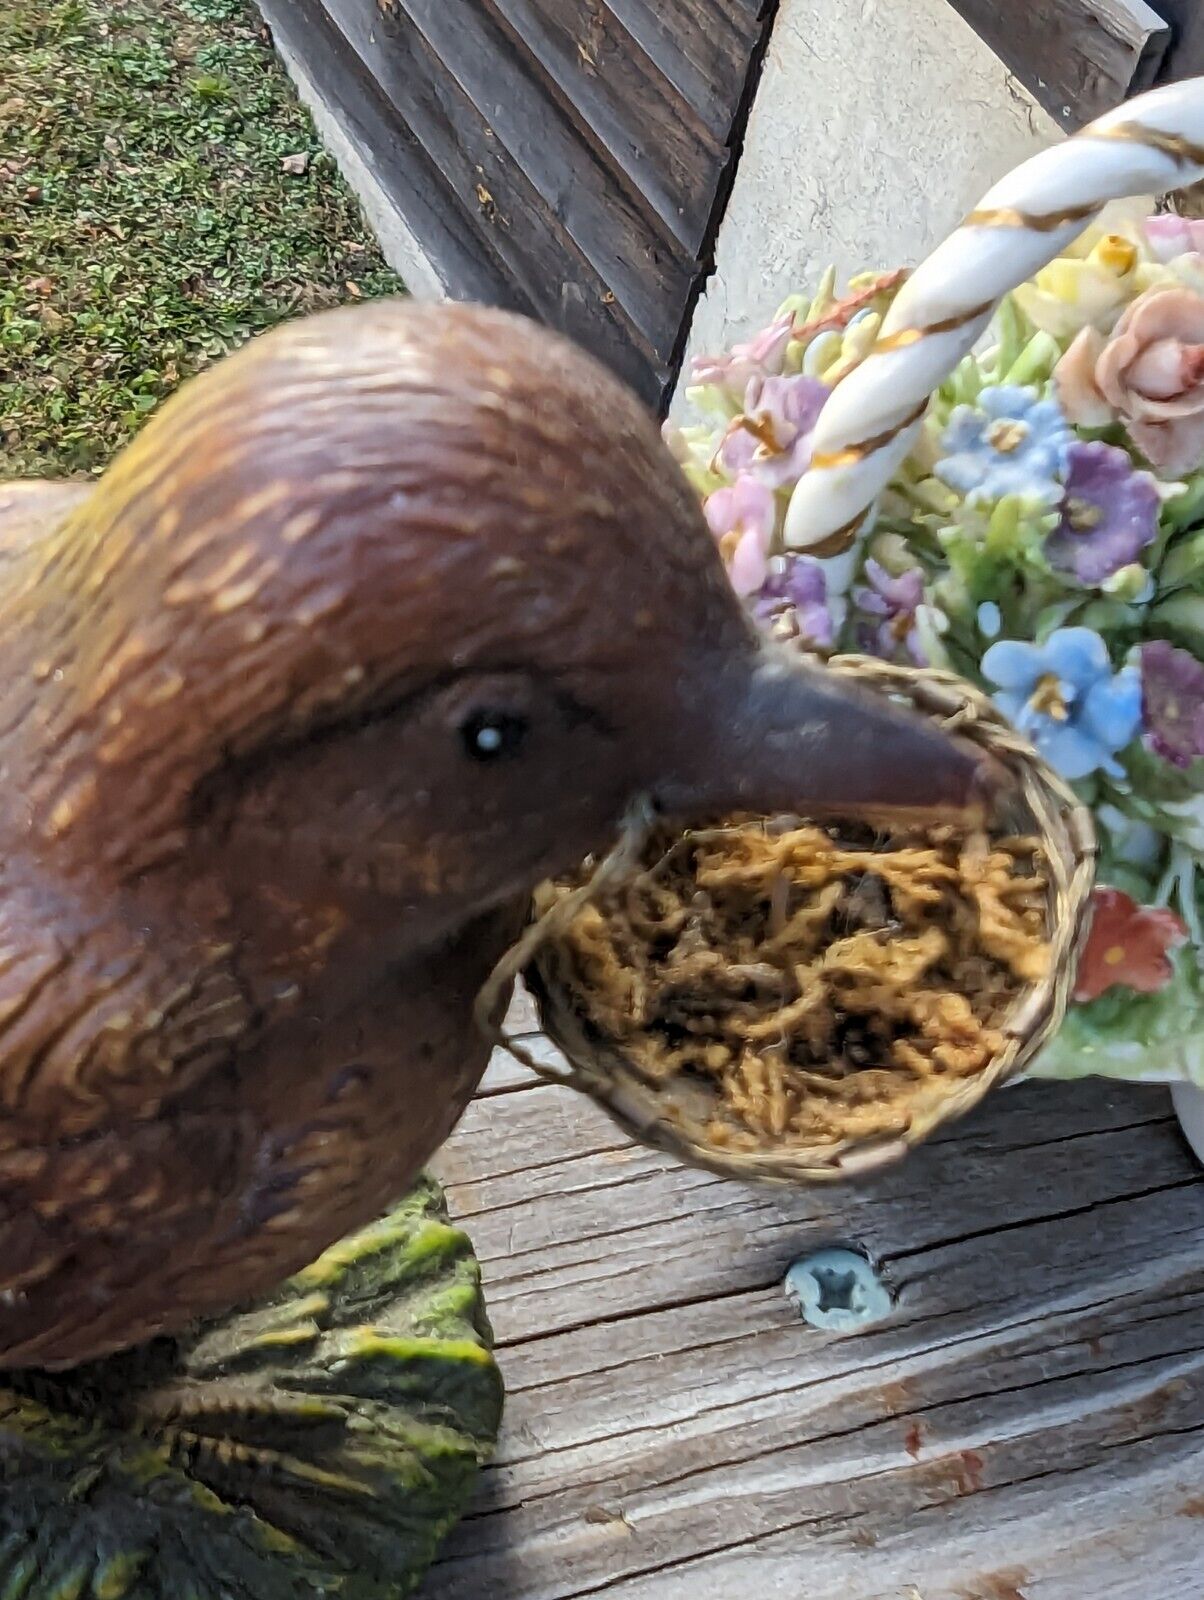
319, 1444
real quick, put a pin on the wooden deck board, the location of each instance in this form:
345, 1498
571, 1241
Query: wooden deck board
628, 250
1028, 1424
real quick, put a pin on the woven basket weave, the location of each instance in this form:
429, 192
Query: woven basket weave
673, 1116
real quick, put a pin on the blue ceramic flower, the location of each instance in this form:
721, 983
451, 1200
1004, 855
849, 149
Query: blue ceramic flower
1009, 443
1064, 696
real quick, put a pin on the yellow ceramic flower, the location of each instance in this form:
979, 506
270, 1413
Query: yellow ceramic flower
1091, 291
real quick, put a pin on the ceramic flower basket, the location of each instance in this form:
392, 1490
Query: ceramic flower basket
994, 467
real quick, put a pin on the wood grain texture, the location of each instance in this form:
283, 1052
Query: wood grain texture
656, 139
1027, 1425
701, 46
530, 236
1078, 58
629, 249
407, 172
567, 157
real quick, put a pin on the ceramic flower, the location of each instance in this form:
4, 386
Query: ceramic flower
1170, 236
793, 602
742, 516
833, 354
1172, 683
1064, 696
1149, 375
1010, 442
1127, 944
1109, 514
771, 439
1073, 293
758, 357
887, 605
869, 292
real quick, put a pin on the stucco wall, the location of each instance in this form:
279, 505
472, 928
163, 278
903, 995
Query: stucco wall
877, 125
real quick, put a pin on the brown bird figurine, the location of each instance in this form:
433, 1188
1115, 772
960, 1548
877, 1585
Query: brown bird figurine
377, 623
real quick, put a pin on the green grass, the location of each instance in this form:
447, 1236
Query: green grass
147, 224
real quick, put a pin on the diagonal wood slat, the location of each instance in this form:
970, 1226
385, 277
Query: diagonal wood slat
1079, 58
569, 157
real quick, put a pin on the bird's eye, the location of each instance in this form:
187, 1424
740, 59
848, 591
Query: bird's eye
492, 735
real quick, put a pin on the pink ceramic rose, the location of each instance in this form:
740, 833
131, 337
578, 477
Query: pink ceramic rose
1148, 374
1171, 236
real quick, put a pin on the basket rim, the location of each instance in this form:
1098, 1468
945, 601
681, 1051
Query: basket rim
599, 1068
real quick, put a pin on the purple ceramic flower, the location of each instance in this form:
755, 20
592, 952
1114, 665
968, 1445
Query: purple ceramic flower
758, 357
742, 517
888, 606
1172, 685
1109, 514
794, 600
772, 440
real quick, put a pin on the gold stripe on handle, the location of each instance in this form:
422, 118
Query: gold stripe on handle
851, 454
1170, 144
1035, 221
835, 544
909, 336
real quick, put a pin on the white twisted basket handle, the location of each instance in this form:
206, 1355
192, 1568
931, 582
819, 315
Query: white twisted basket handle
1149, 145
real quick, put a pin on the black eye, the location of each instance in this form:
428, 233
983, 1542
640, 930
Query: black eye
492, 735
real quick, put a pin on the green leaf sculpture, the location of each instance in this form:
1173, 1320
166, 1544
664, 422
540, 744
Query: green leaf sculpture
320, 1443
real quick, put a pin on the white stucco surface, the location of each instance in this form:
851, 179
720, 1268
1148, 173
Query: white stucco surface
877, 125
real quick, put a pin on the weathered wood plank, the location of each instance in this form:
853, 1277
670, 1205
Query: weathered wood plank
513, 220
697, 1375
651, 133
858, 1458
541, 154
405, 170
1077, 57
1105, 1546
618, 1230
703, 47
674, 1430
627, 247
505, 1072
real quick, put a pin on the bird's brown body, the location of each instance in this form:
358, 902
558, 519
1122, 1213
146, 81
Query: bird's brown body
378, 623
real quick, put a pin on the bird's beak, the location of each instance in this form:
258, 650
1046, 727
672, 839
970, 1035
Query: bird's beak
783, 735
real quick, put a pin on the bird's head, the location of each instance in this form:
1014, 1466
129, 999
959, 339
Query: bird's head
416, 599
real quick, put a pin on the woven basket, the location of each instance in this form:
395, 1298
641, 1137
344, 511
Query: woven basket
673, 1116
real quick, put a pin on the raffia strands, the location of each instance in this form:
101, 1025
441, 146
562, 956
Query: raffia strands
1149, 145
1009, 931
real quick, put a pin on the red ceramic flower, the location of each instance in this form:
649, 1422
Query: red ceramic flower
1127, 944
